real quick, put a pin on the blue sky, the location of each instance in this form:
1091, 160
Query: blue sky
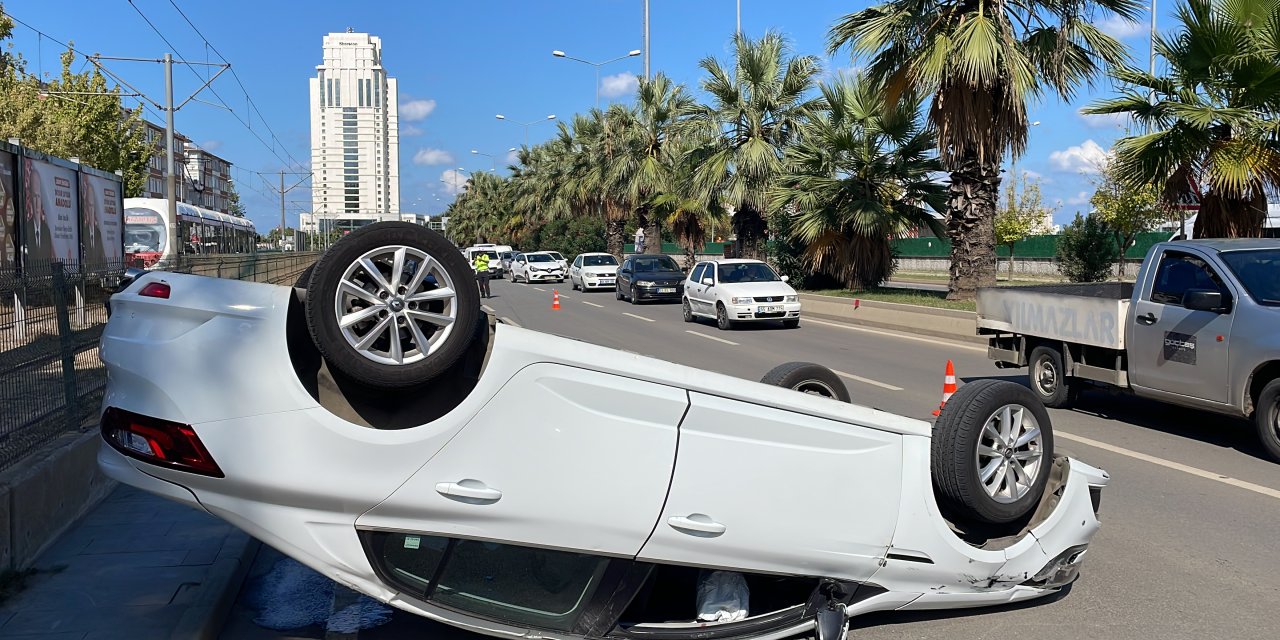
460, 63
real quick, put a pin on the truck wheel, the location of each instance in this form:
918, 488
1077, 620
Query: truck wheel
808, 377
1267, 418
1048, 377
392, 304
992, 451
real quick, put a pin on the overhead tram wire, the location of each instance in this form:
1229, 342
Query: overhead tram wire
291, 162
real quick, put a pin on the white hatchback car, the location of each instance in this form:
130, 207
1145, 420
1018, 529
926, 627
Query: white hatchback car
536, 266
733, 291
523, 485
593, 271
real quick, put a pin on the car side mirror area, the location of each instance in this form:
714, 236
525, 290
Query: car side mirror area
709, 282
1205, 300
786, 278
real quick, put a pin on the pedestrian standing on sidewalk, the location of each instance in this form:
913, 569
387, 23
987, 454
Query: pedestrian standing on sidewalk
481, 265
639, 240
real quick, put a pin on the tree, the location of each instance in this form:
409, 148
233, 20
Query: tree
1211, 120
1126, 210
234, 206
859, 176
690, 208
755, 112
74, 115
644, 168
1085, 250
983, 63
1022, 216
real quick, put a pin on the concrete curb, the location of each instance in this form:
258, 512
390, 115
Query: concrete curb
203, 620
951, 324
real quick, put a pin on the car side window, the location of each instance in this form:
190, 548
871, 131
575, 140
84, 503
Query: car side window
577, 262
626, 265
696, 276
537, 587
1178, 272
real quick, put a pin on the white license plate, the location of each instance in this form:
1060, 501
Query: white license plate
666, 289
768, 309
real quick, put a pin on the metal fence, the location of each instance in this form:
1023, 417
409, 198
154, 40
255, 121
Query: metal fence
51, 319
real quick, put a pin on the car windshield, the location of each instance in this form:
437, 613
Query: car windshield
654, 263
539, 257
599, 261
556, 255
493, 255
746, 272
1258, 271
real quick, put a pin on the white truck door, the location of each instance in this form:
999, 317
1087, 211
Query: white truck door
766, 490
1177, 350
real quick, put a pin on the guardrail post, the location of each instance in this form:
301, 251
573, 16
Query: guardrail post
65, 344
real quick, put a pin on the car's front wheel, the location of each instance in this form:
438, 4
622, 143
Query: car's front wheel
392, 304
791, 323
722, 318
634, 297
1267, 418
807, 377
992, 451
687, 310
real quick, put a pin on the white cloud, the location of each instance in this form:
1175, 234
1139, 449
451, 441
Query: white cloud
432, 156
1078, 199
453, 181
1086, 157
415, 110
1106, 120
410, 130
619, 84
1118, 27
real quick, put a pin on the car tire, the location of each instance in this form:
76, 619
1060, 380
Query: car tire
617, 291
304, 278
807, 377
1266, 416
791, 323
366, 350
634, 298
997, 425
686, 310
722, 318
1046, 374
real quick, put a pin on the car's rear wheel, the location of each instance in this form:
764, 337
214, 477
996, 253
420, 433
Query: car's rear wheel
807, 377
1047, 375
304, 278
686, 310
617, 291
722, 318
1267, 418
392, 305
992, 451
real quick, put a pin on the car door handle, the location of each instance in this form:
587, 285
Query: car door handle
472, 489
1147, 318
697, 523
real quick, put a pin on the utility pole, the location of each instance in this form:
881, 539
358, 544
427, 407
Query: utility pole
282, 190
646, 39
171, 174
282, 223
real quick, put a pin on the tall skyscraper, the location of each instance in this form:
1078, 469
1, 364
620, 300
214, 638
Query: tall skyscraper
355, 141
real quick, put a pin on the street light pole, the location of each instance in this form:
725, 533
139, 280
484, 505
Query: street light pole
630, 54
171, 175
646, 39
526, 124
493, 162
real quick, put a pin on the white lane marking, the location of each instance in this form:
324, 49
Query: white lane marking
874, 383
539, 288
637, 317
944, 343
699, 333
1169, 464
510, 322
598, 306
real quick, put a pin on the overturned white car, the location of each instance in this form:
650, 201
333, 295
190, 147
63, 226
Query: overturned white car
514, 483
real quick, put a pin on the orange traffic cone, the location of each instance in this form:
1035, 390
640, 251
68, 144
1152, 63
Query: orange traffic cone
948, 387
555, 300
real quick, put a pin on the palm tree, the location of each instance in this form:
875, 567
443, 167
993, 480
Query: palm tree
1211, 121
685, 208
755, 112
860, 176
982, 62
603, 136
644, 168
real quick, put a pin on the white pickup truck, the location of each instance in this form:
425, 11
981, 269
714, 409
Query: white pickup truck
1200, 328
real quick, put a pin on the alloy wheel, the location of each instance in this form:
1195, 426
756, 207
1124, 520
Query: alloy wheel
396, 305
1010, 453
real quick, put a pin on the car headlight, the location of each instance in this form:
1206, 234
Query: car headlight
645, 283
736, 300
795, 298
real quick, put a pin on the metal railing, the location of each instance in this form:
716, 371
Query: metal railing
51, 320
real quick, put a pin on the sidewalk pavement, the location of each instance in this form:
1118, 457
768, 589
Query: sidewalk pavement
137, 566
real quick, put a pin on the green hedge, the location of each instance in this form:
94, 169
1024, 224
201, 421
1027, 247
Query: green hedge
1033, 247
710, 248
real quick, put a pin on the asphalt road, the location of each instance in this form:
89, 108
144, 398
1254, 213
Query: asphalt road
1188, 547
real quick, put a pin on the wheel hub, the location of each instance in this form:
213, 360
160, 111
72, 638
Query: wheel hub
1009, 453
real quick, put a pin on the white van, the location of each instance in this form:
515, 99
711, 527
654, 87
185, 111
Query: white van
494, 252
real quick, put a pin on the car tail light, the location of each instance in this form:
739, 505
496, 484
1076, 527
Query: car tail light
155, 290
159, 442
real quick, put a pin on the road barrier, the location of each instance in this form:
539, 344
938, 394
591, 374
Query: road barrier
948, 387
